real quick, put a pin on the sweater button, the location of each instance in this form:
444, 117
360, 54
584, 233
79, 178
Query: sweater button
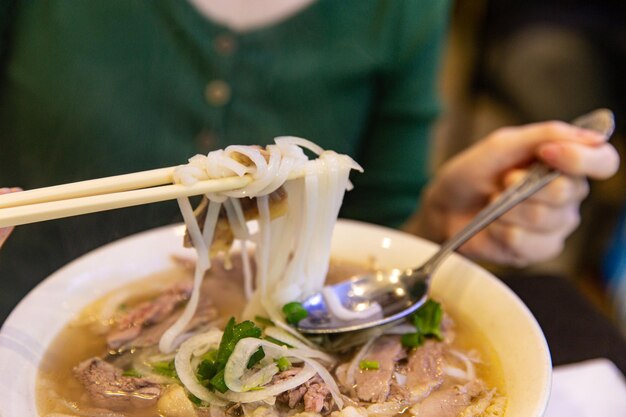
217, 93
225, 44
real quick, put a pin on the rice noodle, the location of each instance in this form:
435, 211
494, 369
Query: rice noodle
341, 312
167, 344
307, 348
292, 252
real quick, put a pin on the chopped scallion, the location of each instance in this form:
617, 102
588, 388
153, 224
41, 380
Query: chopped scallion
369, 365
283, 364
294, 312
132, 372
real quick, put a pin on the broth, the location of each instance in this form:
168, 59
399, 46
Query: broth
58, 391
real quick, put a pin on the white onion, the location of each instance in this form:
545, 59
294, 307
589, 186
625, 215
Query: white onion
237, 365
193, 347
305, 347
470, 371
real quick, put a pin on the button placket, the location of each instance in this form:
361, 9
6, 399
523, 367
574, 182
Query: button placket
218, 91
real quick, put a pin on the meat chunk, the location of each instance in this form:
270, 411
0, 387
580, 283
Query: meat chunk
205, 314
223, 237
313, 394
144, 325
108, 388
448, 402
425, 369
148, 313
373, 385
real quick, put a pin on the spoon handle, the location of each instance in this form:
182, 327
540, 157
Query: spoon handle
539, 175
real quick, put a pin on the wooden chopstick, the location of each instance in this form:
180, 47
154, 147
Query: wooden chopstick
98, 186
91, 203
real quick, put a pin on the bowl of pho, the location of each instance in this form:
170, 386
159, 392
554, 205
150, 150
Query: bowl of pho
198, 319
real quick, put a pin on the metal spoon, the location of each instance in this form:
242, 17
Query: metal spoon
400, 293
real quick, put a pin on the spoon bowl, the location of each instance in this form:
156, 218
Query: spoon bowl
389, 297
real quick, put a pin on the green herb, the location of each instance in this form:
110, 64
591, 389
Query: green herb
283, 364
412, 339
369, 365
263, 321
206, 369
132, 372
233, 333
256, 357
197, 401
277, 342
294, 312
218, 382
427, 322
165, 368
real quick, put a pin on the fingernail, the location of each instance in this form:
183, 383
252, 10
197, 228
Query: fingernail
550, 152
591, 135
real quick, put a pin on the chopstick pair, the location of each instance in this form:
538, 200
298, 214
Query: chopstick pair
104, 194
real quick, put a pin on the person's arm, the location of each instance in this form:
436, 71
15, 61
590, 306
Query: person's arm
536, 229
6, 231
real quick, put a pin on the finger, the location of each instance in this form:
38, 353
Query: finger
6, 231
4, 234
6, 190
485, 247
540, 217
510, 147
561, 191
598, 162
514, 144
529, 245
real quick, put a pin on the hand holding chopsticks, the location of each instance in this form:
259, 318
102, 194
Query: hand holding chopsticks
104, 194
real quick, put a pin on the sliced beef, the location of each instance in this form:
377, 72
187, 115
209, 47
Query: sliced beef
150, 336
108, 388
373, 385
314, 394
398, 393
130, 325
144, 324
448, 402
424, 371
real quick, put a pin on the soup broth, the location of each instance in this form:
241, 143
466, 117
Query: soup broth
60, 392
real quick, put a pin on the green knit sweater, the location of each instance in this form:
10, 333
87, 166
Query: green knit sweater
97, 88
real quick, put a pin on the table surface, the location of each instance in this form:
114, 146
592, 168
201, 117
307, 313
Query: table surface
574, 328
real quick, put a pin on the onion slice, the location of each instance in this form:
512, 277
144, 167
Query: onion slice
193, 347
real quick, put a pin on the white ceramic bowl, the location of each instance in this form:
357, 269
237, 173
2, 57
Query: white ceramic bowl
495, 310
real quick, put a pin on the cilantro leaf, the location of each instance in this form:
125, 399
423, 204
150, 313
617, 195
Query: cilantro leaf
233, 333
427, 322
